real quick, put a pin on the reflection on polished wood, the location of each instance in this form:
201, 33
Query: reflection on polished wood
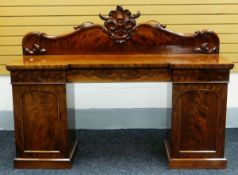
120, 52
69, 62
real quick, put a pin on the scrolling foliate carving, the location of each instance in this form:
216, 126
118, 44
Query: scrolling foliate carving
84, 25
204, 48
120, 24
120, 34
36, 50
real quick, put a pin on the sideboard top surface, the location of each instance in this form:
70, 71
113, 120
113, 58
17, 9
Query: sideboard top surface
67, 62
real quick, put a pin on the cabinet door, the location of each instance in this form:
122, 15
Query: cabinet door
40, 120
198, 120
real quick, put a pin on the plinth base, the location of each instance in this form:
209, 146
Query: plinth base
190, 163
52, 163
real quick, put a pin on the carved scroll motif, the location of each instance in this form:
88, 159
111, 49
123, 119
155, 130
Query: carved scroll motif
120, 24
36, 50
204, 48
121, 35
84, 25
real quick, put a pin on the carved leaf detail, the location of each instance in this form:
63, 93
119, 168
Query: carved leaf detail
36, 50
120, 24
159, 26
84, 25
204, 48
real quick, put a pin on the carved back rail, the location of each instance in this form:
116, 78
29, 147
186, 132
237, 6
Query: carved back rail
121, 35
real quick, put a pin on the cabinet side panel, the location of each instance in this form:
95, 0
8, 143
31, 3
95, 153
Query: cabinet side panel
70, 98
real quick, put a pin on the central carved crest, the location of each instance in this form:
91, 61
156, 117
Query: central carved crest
120, 24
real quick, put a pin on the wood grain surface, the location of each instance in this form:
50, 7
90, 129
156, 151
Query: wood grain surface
71, 62
120, 52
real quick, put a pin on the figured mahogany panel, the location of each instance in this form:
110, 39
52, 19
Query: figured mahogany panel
198, 120
198, 110
120, 35
119, 75
200, 75
41, 121
38, 77
40, 116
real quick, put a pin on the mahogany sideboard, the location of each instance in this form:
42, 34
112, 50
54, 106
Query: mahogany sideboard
120, 51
